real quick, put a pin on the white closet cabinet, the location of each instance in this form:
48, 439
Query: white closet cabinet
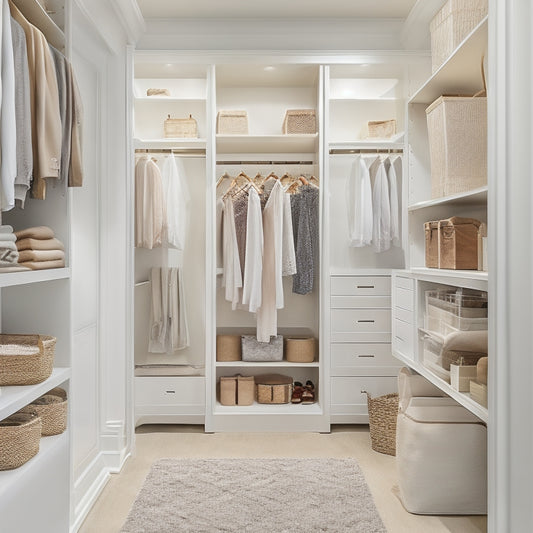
460, 74
170, 388
40, 302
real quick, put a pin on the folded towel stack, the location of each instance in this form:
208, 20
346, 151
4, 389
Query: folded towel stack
9, 255
38, 248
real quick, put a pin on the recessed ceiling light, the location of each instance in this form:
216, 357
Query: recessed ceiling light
365, 65
168, 65
270, 68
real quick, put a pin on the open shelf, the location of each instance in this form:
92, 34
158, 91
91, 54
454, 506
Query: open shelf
143, 99
291, 143
34, 12
458, 75
473, 279
366, 145
268, 409
10, 279
266, 364
15, 397
473, 197
170, 143
461, 397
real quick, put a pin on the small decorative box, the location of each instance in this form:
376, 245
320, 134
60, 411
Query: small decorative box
232, 122
274, 388
461, 375
181, 128
381, 129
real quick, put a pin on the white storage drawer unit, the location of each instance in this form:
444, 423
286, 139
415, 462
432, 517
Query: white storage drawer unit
403, 317
360, 286
349, 404
169, 399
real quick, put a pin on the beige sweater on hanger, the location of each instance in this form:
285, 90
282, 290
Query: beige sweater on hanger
44, 96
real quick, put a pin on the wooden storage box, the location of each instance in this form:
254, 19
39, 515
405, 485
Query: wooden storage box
449, 27
232, 122
20, 435
228, 347
381, 129
26, 359
237, 390
458, 243
431, 230
298, 121
253, 350
300, 350
478, 392
457, 132
274, 388
181, 128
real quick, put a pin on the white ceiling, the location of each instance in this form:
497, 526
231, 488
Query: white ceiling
275, 8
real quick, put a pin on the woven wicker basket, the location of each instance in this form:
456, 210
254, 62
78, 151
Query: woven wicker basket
23, 366
20, 435
274, 388
301, 350
52, 408
229, 347
381, 129
232, 122
451, 25
299, 121
382, 415
457, 131
157, 92
181, 128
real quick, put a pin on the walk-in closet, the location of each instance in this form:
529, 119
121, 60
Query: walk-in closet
265, 266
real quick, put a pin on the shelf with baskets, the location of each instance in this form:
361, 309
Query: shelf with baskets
180, 143
473, 279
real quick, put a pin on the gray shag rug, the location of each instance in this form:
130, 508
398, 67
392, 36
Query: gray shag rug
254, 495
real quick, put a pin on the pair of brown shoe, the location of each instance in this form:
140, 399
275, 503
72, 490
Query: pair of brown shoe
304, 394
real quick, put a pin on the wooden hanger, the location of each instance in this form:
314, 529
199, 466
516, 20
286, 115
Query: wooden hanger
222, 178
242, 174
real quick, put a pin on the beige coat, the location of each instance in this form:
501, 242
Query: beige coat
46, 121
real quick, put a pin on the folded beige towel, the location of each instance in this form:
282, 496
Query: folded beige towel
37, 232
41, 255
43, 265
39, 244
14, 268
467, 341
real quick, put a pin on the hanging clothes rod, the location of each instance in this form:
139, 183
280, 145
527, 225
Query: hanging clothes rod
194, 152
341, 151
266, 163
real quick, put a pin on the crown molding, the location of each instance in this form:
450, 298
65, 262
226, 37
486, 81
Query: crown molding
131, 18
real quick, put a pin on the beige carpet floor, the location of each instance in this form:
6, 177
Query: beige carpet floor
250, 495
155, 442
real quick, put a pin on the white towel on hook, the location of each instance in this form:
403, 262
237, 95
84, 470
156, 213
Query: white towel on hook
359, 204
381, 235
393, 175
177, 202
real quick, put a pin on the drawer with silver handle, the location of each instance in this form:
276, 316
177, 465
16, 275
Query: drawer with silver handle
363, 359
360, 286
360, 325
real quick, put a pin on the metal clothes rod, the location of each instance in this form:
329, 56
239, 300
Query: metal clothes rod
266, 163
341, 151
192, 152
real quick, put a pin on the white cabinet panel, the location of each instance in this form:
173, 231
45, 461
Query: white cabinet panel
403, 338
404, 283
404, 298
170, 390
360, 286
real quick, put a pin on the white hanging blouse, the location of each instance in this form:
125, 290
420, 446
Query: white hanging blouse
359, 203
393, 176
232, 275
381, 234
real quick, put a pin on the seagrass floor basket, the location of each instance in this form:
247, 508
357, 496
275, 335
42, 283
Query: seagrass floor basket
26, 359
382, 415
52, 407
20, 435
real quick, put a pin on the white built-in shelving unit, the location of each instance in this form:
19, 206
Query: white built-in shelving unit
460, 74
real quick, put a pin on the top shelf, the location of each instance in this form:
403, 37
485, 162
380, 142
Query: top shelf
291, 143
461, 73
36, 15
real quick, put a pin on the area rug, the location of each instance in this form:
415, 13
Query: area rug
254, 495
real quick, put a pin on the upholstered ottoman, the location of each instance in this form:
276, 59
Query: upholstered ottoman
441, 453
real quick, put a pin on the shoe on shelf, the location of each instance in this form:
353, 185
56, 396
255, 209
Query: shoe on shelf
308, 394
297, 392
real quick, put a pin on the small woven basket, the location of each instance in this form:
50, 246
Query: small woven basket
177, 128
157, 92
20, 435
52, 407
382, 415
299, 121
26, 359
232, 122
300, 350
229, 347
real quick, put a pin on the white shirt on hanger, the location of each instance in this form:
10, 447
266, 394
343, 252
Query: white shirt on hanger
232, 275
359, 203
288, 253
393, 177
381, 231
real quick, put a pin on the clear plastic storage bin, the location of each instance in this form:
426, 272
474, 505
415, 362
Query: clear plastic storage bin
433, 357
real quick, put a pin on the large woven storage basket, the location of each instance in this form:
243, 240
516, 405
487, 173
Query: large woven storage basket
229, 347
26, 359
52, 408
299, 121
451, 25
181, 128
300, 350
382, 415
232, 122
274, 388
457, 131
20, 435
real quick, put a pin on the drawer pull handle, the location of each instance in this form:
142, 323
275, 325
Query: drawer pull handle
366, 321
366, 355
170, 391
366, 286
